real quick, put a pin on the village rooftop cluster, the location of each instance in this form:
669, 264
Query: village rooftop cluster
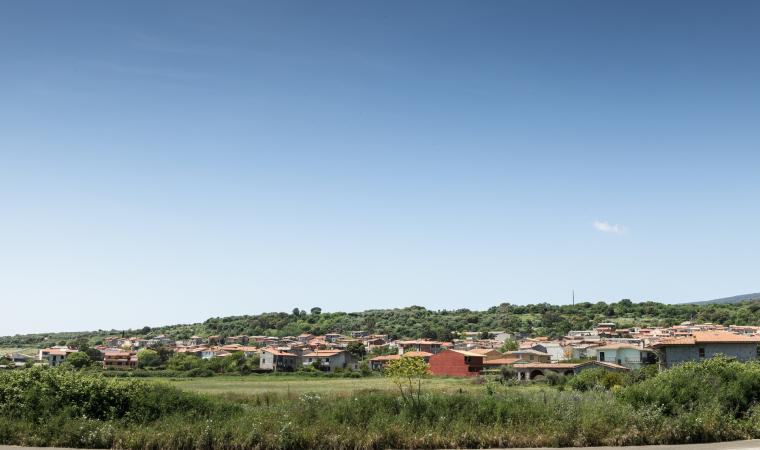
470, 354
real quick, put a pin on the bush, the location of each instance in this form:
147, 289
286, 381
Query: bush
37, 394
200, 372
727, 385
183, 362
598, 378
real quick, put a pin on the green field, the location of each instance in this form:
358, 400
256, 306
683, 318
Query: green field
285, 385
23, 350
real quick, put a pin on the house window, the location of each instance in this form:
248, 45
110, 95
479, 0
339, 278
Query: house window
701, 352
601, 356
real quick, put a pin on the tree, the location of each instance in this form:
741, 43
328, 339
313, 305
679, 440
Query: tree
164, 353
296, 312
316, 310
183, 362
405, 373
509, 345
356, 349
148, 358
77, 360
507, 373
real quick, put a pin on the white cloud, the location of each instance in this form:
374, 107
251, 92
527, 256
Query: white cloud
606, 227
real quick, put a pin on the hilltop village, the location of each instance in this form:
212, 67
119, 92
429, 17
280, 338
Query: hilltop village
468, 354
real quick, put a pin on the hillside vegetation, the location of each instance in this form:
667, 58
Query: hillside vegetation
733, 299
418, 322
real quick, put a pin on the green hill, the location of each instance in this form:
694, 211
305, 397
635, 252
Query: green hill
730, 300
419, 322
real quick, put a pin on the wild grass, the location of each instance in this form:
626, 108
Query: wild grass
102, 413
263, 384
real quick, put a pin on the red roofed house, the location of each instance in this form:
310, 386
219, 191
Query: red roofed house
420, 345
120, 360
378, 362
54, 356
706, 344
456, 363
329, 359
278, 360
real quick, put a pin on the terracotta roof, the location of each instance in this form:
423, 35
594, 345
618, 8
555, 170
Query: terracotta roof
319, 353
708, 337
418, 354
386, 358
117, 355
420, 342
466, 353
483, 351
276, 352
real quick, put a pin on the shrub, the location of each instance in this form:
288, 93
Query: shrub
183, 362
199, 372
730, 386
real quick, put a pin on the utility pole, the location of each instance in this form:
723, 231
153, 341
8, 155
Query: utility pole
573, 297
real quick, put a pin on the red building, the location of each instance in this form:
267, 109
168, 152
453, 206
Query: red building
456, 363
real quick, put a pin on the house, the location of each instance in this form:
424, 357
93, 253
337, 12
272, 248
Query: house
242, 339
277, 360
501, 336
159, 341
54, 356
554, 349
329, 360
420, 345
207, 353
378, 362
415, 354
627, 355
304, 338
138, 343
706, 344
585, 350
18, 359
456, 363
531, 371
530, 355
371, 342
195, 340
488, 353
332, 337
119, 360
496, 363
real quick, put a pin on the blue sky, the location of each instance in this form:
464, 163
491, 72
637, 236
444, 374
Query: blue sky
166, 163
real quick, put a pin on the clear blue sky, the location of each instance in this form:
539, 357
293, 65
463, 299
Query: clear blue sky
166, 162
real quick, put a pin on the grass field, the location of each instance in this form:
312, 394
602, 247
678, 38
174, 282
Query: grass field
25, 351
262, 384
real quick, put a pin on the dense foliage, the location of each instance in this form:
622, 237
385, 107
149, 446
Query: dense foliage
417, 322
78, 409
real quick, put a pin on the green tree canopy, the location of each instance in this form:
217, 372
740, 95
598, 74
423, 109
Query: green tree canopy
148, 358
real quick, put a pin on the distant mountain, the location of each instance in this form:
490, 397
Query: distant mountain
729, 300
